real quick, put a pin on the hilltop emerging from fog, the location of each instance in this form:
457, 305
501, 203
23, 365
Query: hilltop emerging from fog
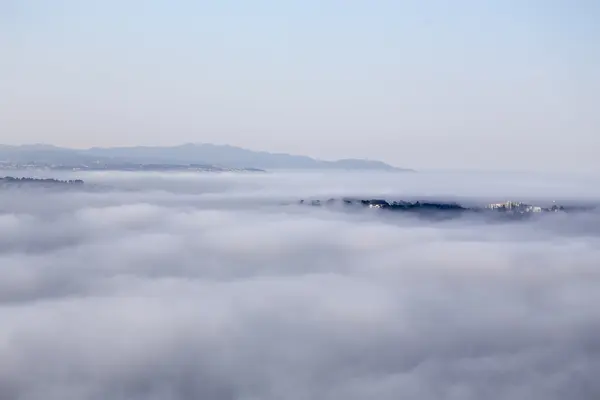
9, 181
441, 209
196, 157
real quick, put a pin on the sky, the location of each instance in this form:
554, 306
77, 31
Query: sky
438, 84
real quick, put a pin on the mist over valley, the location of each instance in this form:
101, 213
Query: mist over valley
139, 285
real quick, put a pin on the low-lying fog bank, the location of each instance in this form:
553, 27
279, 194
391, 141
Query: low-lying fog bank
204, 286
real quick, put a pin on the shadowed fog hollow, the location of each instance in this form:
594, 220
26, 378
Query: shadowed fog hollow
182, 286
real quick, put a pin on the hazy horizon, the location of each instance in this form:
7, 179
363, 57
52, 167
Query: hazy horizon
466, 85
506, 169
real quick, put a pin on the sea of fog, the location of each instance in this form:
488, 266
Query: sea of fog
217, 286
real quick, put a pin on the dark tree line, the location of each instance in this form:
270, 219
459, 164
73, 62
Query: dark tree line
28, 180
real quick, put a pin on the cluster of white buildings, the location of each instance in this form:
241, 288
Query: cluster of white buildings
514, 206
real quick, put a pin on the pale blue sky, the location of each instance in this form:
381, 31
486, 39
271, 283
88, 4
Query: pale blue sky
423, 84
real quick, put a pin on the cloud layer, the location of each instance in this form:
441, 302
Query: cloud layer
206, 287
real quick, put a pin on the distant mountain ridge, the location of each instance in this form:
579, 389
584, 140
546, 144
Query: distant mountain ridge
209, 154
